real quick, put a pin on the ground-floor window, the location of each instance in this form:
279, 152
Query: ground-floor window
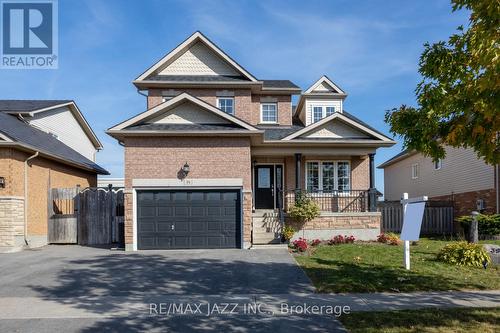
328, 176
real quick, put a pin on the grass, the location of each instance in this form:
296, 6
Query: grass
424, 320
375, 267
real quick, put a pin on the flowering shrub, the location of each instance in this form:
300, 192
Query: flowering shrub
464, 254
389, 238
300, 244
315, 242
288, 232
339, 239
382, 238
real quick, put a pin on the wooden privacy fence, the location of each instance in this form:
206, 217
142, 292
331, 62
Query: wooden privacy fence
62, 228
93, 216
438, 217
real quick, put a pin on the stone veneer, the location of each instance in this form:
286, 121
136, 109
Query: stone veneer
11, 222
363, 226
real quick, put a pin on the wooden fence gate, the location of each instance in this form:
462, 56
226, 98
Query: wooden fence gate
92, 216
438, 217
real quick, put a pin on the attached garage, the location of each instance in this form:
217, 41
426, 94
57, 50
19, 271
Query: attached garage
188, 219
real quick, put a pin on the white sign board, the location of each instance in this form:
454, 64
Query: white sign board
412, 221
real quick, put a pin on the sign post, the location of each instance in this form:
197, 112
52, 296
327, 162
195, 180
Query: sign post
413, 212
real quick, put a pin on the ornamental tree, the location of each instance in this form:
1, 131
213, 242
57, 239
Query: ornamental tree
458, 98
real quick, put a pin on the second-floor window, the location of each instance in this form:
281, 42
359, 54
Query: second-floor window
226, 104
269, 113
320, 112
317, 113
414, 171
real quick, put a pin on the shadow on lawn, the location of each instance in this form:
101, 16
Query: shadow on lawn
417, 320
340, 276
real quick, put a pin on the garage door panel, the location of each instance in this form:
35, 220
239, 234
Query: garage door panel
201, 219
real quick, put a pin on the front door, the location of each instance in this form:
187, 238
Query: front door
264, 186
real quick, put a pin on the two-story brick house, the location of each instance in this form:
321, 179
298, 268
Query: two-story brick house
219, 155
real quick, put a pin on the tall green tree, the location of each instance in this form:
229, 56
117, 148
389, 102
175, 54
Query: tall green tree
458, 97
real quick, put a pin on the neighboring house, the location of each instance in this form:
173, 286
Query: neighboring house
460, 177
43, 145
114, 182
219, 154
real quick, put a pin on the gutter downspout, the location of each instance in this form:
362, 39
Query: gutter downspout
26, 196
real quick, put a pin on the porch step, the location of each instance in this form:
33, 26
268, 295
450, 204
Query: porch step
265, 239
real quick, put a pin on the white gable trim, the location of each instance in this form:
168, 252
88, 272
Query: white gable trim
326, 80
76, 113
332, 117
197, 36
176, 101
5, 138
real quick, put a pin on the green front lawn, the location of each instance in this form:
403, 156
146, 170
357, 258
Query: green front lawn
375, 267
424, 320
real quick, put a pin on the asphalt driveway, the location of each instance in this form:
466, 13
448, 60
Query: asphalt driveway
84, 289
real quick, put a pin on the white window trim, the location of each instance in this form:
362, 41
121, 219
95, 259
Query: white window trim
323, 111
262, 113
415, 167
335, 175
227, 97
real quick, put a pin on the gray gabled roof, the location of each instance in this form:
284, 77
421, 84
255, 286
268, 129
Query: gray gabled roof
17, 105
283, 84
185, 127
272, 133
34, 139
395, 158
198, 78
356, 119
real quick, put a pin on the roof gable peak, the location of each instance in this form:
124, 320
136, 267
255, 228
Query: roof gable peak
198, 51
325, 86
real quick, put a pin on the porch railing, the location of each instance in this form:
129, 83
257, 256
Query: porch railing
349, 201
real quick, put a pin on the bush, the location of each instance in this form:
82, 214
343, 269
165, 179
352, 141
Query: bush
389, 238
464, 254
305, 209
339, 239
288, 232
300, 244
487, 224
316, 242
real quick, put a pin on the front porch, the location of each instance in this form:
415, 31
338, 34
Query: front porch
342, 186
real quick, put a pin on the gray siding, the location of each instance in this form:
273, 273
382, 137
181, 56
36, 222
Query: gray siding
62, 123
461, 172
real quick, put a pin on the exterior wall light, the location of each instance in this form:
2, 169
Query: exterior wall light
185, 169
2, 182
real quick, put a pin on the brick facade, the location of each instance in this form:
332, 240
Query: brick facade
208, 158
11, 221
43, 174
246, 105
465, 203
364, 226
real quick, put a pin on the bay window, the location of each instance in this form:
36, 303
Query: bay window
328, 176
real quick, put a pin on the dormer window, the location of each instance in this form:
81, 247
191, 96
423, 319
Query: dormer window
320, 112
226, 104
317, 113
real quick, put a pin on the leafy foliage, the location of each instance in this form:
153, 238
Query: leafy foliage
288, 232
389, 238
487, 224
458, 97
339, 239
300, 245
315, 242
305, 209
464, 254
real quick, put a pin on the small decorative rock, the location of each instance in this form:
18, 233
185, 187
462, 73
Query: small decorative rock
494, 252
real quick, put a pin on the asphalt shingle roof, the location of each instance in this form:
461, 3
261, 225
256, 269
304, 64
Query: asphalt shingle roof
185, 127
28, 105
44, 142
279, 84
279, 132
198, 78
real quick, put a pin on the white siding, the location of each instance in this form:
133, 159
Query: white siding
64, 125
461, 172
324, 87
199, 60
310, 103
188, 113
336, 129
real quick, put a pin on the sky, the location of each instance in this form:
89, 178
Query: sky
370, 49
